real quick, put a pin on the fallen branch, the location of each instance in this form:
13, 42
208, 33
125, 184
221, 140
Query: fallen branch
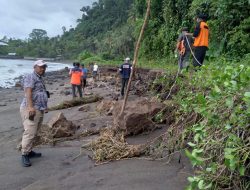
76, 102
136, 56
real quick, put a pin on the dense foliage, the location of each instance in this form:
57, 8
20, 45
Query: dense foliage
220, 147
102, 30
110, 28
211, 123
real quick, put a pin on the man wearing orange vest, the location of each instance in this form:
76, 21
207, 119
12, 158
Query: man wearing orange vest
201, 33
76, 75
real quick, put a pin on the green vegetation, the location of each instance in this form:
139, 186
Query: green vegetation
220, 144
211, 123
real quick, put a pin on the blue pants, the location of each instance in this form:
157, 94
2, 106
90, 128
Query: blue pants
124, 85
79, 89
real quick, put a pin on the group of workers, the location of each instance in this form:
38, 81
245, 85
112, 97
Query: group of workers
34, 103
79, 76
195, 43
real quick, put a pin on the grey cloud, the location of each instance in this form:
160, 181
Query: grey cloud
19, 17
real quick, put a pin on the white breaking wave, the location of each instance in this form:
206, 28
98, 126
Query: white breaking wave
10, 69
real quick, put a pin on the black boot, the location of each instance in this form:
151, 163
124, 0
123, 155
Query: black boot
33, 154
26, 161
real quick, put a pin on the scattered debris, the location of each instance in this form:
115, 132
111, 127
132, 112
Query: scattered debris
112, 146
106, 107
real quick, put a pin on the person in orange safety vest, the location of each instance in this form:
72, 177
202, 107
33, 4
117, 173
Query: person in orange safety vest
76, 75
201, 34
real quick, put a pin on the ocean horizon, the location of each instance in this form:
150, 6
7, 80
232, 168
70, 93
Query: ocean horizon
12, 69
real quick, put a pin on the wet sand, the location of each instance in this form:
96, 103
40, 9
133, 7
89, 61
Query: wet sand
56, 168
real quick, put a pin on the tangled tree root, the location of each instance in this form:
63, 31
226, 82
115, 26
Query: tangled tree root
45, 136
111, 146
174, 139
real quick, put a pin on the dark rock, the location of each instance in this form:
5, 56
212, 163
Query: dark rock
3, 104
115, 96
65, 92
84, 108
18, 84
92, 125
12, 100
112, 82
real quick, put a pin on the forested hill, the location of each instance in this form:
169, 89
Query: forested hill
109, 28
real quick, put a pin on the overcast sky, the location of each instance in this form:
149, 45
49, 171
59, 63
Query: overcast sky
19, 17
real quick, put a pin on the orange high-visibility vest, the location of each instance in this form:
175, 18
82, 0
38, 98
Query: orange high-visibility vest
202, 38
76, 77
181, 47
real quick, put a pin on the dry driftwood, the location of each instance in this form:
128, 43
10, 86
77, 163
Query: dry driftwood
76, 102
136, 55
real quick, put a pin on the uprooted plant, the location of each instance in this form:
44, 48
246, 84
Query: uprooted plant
112, 146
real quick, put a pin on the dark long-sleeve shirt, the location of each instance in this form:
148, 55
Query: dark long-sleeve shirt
125, 70
197, 30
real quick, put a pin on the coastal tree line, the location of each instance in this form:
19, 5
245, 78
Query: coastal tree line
109, 28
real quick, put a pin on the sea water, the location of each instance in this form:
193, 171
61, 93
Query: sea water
11, 69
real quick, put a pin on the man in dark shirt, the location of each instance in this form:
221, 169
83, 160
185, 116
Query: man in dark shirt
125, 70
183, 46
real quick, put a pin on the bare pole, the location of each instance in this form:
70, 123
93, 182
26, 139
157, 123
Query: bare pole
136, 53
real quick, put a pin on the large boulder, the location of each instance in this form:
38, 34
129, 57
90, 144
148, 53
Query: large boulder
136, 117
59, 126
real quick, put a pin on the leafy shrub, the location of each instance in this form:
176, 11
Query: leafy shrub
84, 55
220, 147
212, 123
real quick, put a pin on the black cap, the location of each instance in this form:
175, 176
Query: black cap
202, 16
